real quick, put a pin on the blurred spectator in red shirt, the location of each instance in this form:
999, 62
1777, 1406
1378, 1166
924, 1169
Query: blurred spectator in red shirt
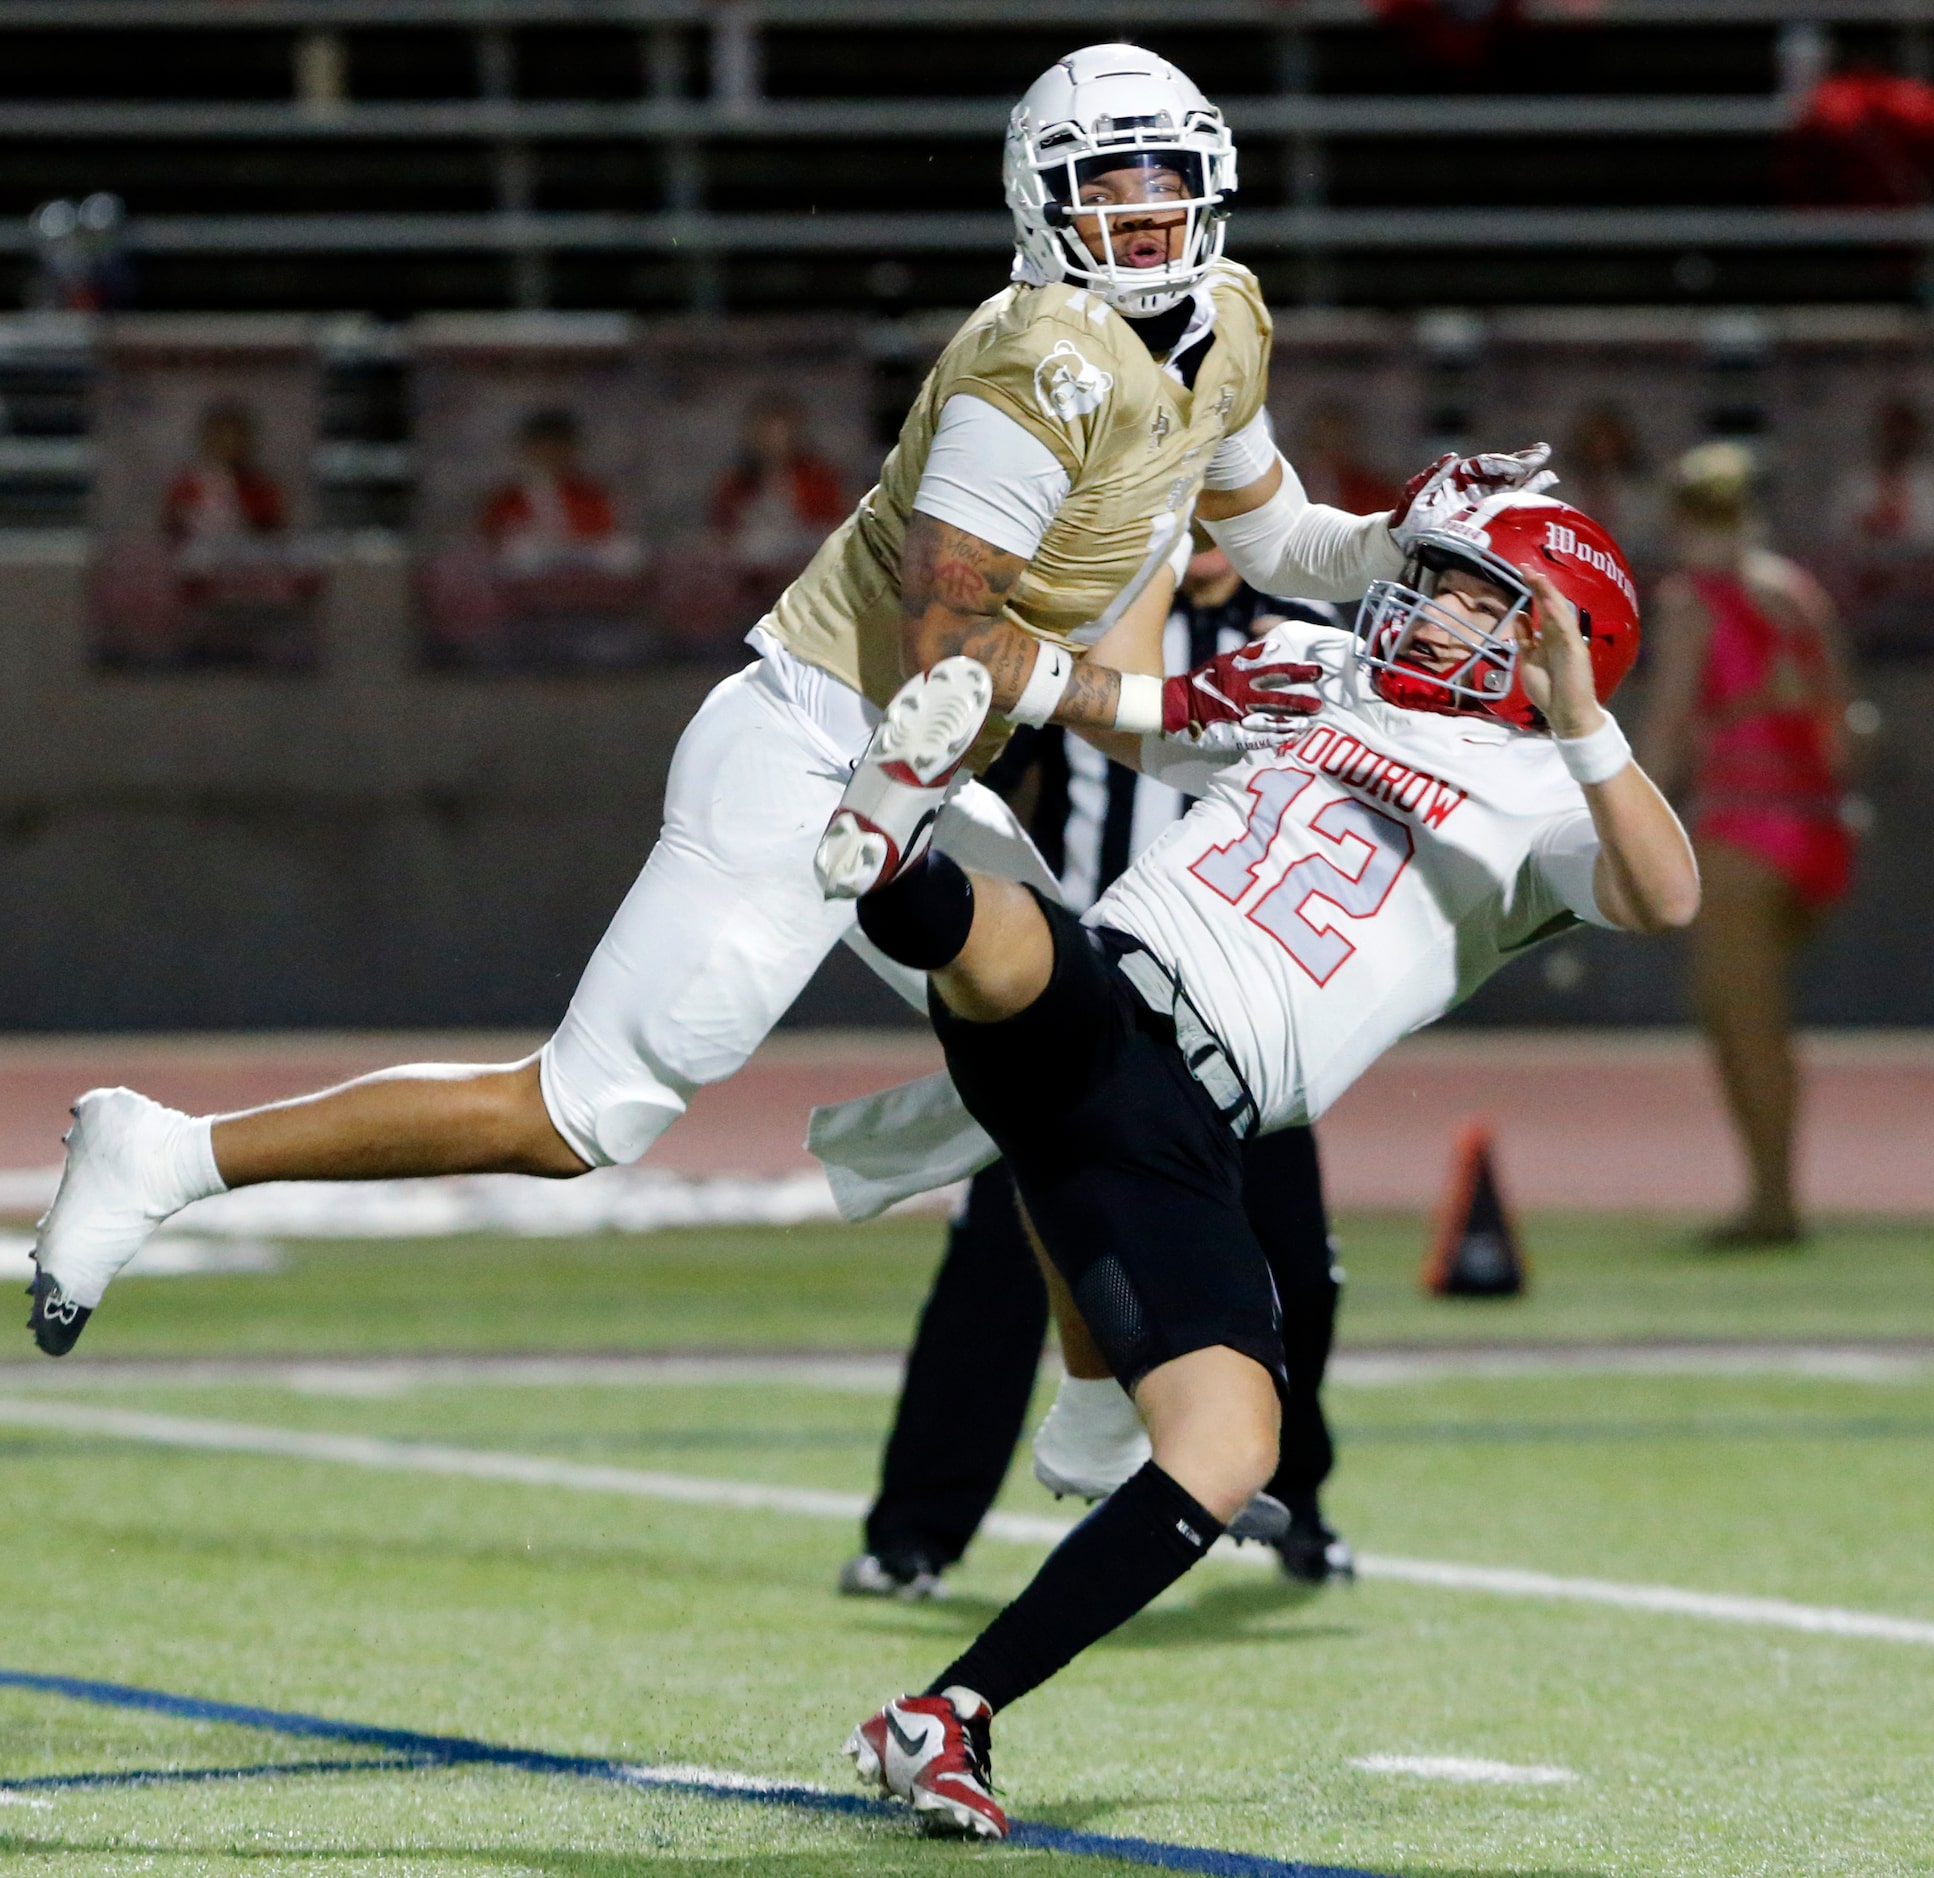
780, 500
1889, 501
227, 497
239, 589
1863, 136
555, 516
1330, 466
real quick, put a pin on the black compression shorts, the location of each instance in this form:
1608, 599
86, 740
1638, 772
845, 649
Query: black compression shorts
1132, 1179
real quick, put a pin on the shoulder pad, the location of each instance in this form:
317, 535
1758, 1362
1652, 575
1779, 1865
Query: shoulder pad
1232, 285
1073, 309
1063, 364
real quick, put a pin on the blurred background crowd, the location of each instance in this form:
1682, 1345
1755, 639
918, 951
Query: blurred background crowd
411, 404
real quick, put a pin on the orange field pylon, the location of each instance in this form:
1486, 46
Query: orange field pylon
1476, 1252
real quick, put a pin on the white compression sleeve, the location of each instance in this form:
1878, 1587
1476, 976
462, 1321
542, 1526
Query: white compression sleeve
1242, 456
991, 476
1307, 550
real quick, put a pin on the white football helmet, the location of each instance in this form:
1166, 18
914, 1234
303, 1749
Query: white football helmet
1109, 108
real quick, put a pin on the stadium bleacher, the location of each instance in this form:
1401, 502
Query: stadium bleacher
396, 155
343, 184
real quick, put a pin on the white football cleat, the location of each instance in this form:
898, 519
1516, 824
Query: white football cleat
933, 1751
910, 1578
1091, 1440
911, 766
113, 1193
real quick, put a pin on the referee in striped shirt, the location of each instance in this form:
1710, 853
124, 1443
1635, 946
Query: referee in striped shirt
971, 1371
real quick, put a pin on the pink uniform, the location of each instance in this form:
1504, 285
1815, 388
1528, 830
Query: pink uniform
1765, 780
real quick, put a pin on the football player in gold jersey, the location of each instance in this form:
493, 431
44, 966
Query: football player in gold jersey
1042, 486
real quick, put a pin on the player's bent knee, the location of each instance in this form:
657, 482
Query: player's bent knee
1007, 961
526, 1135
1213, 1421
1221, 1480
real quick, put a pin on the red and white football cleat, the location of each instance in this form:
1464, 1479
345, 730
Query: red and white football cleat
885, 819
932, 1751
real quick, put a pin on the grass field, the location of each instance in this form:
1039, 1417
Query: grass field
857, 1287
550, 1612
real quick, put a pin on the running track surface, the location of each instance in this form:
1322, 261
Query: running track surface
1596, 1121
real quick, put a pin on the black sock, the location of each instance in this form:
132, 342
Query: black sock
923, 917
1123, 1556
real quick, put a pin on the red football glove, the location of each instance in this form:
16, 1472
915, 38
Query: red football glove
1250, 686
1454, 482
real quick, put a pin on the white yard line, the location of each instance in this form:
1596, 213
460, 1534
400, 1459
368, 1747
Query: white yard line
1717, 1607
856, 1373
1034, 1529
866, 1373
1831, 1362
422, 1457
1465, 1771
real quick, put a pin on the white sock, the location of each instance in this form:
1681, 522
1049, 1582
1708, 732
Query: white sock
185, 1170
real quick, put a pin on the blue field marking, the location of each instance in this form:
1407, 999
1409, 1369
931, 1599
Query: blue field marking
410, 1750
182, 1776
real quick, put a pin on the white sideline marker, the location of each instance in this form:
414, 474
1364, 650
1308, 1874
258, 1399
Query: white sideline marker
539, 1470
1465, 1771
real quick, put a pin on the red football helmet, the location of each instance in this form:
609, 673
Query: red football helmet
1500, 539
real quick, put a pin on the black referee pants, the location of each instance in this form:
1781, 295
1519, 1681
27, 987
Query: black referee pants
970, 1373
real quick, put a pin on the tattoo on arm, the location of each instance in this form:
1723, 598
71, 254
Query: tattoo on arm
953, 587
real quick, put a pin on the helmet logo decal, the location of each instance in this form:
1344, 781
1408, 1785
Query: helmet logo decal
1068, 386
1562, 540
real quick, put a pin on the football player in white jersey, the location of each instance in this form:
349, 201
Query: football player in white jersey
1028, 515
1461, 794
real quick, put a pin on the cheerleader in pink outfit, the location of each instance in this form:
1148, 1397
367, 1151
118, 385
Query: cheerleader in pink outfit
1749, 700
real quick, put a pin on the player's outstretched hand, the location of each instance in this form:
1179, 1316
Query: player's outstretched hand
1556, 661
1255, 688
1454, 482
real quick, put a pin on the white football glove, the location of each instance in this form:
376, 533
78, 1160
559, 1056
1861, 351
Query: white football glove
1454, 482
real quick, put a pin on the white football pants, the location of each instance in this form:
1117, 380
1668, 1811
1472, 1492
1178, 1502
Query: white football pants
725, 925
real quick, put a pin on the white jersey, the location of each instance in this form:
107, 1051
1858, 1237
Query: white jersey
1333, 893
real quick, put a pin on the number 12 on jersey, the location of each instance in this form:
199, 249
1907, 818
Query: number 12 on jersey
1296, 911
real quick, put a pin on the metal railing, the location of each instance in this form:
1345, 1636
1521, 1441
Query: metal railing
1258, 231
654, 119
344, 14
1303, 122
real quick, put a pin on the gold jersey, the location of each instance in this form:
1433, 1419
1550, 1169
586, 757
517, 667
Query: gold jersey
1134, 441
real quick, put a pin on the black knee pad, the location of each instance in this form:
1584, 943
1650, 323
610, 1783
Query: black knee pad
923, 917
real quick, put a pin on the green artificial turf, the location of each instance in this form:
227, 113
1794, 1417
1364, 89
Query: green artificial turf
1227, 1716
847, 1287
